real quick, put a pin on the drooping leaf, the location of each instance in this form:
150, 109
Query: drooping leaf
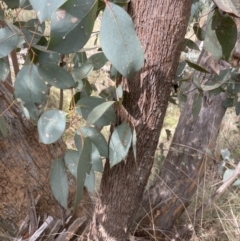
190, 44
134, 143
78, 141
79, 58
237, 108
114, 74
199, 32
98, 112
90, 182
4, 70
221, 35
51, 126
84, 87
9, 40
181, 67
220, 79
71, 159
109, 93
59, 182
45, 8
87, 104
120, 142
96, 138
196, 66
119, 41
197, 104
230, 6
3, 125
71, 25
56, 76
32, 90
83, 168
97, 164
82, 71
119, 91
98, 60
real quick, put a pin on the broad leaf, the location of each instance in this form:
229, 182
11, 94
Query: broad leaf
71, 25
119, 143
51, 126
87, 104
96, 138
97, 164
114, 74
199, 32
71, 159
98, 112
221, 35
4, 70
119, 41
32, 90
83, 168
90, 181
59, 182
196, 66
9, 40
230, 6
45, 8
227, 174
190, 44
82, 72
56, 76
98, 60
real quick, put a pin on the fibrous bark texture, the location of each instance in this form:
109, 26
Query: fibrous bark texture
184, 166
24, 165
161, 26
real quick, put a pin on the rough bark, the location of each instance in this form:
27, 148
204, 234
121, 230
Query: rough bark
161, 26
25, 165
184, 166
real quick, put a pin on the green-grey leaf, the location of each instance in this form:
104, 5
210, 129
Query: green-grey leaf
51, 126
196, 66
221, 35
45, 8
87, 104
230, 6
59, 182
190, 44
98, 112
32, 90
97, 164
56, 76
97, 139
71, 159
119, 143
82, 72
119, 41
4, 70
90, 182
227, 174
9, 40
71, 25
199, 32
83, 168
98, 60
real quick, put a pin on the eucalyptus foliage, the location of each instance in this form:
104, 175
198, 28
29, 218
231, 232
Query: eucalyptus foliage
56, 55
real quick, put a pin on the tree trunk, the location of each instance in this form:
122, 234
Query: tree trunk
184, 166
161, 26
25, 167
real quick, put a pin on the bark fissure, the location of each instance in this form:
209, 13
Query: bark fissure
161, 26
